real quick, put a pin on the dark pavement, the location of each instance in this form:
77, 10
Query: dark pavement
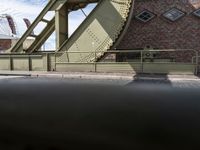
62, 114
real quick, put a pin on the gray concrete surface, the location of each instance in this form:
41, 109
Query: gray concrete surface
100, 76
118, 80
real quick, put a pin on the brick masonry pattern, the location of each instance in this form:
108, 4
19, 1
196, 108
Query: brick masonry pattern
5, 44
161, 33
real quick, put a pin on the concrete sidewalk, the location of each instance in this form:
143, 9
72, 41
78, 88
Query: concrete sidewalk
92, 75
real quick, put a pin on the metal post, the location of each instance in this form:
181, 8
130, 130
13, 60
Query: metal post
67, 54
11, 62
95, 53
48, 62
29, 63
142, 69
197, 62
55, 62
95, 62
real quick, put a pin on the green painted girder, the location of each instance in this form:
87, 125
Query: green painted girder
18, 47
99, 32
42, 37
53, 5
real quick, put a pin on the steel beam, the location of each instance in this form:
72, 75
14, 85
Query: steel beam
99, 31
18, 47
61, 25
44, 35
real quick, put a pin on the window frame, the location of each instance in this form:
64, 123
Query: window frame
149, 19
177, 18
196, 14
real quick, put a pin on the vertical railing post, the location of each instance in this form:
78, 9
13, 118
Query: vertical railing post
29, 63
55, 62
67, 55
95, 66
141, 59
197, 63
47, 62
95, 62
11, 62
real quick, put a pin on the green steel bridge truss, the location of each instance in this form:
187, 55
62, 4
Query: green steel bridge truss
102, 30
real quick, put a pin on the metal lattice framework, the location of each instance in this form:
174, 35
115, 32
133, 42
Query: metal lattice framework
98, 33
96, 38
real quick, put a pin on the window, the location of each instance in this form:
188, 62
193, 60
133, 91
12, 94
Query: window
197, 13
145, 16
173, 14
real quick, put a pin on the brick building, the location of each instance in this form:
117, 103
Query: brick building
5, 42
160, 24
8, 31
164, 24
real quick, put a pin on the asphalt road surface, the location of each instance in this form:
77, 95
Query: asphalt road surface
62, 114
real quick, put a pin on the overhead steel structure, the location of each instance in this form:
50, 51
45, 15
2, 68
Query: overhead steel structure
95, 38
100, 31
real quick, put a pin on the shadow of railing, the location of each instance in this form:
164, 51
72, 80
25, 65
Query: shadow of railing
150, 81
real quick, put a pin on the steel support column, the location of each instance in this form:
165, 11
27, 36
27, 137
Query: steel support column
61, 25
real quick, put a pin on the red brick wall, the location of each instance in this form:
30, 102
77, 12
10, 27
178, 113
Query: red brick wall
161, 33
5, 44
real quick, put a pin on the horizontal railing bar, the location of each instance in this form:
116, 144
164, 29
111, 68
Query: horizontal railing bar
14, 55
129, 51
172, 63
109, 51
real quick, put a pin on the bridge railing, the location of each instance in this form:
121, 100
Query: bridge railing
141, 61
170, 61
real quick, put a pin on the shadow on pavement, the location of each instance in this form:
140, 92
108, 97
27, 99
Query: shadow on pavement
143, 80
55, 115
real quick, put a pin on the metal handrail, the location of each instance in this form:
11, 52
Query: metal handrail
196, 60
109, 51
59, 58
129, 51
